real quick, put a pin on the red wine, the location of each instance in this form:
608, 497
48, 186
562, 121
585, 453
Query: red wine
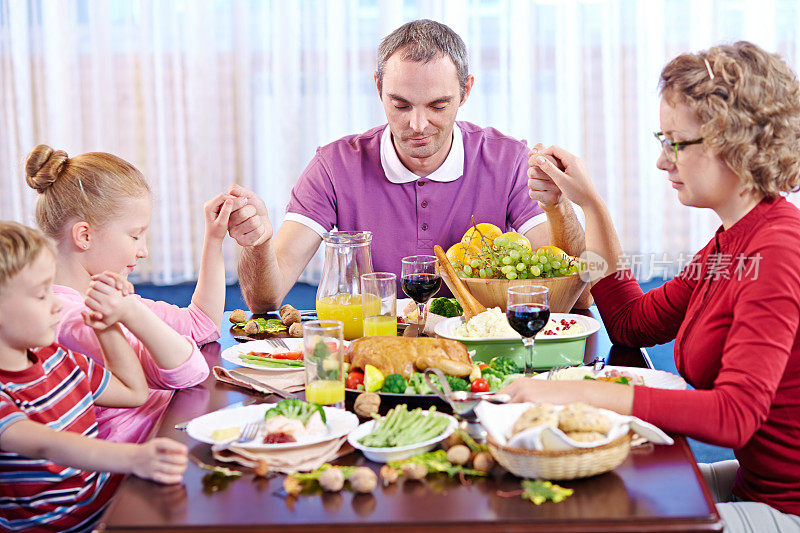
527, 319
420, 287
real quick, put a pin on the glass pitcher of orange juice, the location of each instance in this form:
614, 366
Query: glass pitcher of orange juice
347, 256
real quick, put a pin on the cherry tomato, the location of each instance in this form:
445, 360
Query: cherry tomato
479, 385
356, 378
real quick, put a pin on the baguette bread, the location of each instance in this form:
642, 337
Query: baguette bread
406, 355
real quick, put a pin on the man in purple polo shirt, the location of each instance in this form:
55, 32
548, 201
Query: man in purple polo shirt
414, 183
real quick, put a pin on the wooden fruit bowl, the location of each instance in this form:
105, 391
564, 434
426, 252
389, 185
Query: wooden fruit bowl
564, 290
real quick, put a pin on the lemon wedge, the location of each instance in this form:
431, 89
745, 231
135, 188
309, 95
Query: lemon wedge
373, 379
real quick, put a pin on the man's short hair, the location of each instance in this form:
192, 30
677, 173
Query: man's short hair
423, 41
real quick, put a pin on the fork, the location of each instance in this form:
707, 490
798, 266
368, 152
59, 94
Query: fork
552, 371
277, 342
249, 432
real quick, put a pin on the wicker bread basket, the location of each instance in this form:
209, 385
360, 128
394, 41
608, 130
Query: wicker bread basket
567, 464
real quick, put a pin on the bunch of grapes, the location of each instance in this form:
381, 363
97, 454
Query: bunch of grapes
504, 259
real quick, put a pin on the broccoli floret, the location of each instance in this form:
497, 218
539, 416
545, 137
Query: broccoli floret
447, 307
457, 383
417, 383
395, 383
504, 365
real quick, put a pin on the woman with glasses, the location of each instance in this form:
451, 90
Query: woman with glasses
730, 133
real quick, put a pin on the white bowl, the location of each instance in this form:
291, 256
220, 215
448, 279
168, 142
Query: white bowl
398, 453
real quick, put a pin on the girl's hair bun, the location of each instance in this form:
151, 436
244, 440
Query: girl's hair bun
43, 167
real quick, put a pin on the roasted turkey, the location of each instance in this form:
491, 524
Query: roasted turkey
406, 355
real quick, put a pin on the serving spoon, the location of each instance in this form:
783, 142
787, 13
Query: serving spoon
469, 303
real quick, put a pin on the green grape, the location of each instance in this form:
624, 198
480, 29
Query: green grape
501, 241
514, 255
563, 271
521, 267
482, 272
573, 269
505, 269
468, 270
543, 259
511, 275
546, 267
475, 263
526, 257
536, 271
523, 274
541, 252
556, 264
507, 260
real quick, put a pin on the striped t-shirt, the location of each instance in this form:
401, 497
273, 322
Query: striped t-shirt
59, 390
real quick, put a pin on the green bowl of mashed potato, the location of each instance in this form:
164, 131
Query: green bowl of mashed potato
561, 343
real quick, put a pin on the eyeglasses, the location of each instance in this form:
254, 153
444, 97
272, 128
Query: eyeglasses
671, 147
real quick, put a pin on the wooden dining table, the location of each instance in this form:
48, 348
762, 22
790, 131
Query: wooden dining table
657, 488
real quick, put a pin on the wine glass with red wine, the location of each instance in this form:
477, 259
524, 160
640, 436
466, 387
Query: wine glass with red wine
420, 280
528, 310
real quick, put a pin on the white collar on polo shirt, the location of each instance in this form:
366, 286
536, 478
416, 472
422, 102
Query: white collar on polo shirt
396, 172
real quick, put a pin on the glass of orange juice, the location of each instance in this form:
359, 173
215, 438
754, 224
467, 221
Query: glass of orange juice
323, 352
379, 303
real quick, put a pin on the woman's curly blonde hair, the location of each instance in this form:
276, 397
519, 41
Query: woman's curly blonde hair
748, 101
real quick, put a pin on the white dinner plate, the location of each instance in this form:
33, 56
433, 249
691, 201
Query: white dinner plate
339, 423
657, 379
590, 325
232, 354
295, 345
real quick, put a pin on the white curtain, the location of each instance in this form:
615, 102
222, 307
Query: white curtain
199, 94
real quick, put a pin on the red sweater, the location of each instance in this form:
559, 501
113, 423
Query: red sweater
736, 341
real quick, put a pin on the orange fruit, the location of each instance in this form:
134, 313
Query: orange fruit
486, 233
517, 238
459, 254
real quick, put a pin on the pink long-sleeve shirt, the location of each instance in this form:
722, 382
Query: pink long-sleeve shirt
734, 313
134, 425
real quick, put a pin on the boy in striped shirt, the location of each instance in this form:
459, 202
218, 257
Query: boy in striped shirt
54, 474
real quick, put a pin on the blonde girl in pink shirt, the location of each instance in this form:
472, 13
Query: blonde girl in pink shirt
97, 207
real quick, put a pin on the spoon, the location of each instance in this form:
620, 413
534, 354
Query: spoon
462, 402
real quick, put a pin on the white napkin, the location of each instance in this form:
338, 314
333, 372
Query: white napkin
498, 420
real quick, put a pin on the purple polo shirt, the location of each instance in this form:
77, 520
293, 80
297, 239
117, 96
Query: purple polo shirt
345, 186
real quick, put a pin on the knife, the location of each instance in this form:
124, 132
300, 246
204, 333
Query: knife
255, 383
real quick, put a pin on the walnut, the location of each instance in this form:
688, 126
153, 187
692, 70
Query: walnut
367, 404
289, 315
415, 471
363, 480
252, 327
238, 316
483, 461
296, 330
331, 480
458, 454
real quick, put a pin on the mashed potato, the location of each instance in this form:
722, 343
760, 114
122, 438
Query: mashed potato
562, 326
493, 323
490, 323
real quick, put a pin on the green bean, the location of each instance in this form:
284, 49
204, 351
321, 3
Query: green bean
401, 427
